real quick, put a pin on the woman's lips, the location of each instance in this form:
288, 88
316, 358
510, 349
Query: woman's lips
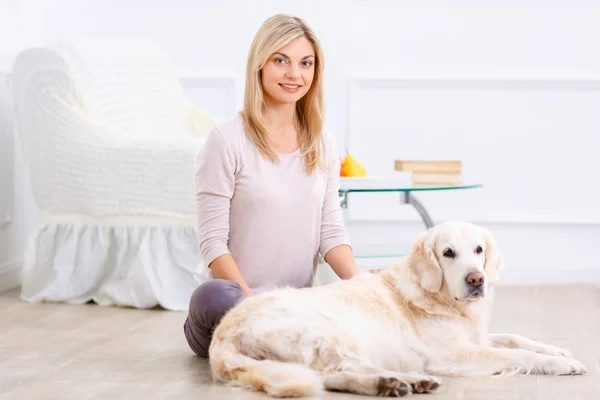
290, 87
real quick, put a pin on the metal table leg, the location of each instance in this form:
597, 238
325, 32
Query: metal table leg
344, 200
410, 199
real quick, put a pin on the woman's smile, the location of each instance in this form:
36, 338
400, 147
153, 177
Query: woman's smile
290, 88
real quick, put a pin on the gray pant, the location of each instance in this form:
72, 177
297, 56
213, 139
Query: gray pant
208, 304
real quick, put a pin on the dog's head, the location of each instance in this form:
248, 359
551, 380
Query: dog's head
458, 257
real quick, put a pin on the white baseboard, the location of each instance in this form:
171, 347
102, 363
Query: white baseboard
10, 275
550, 276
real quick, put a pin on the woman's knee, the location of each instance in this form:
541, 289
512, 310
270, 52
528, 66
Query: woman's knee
208, 304
212, 299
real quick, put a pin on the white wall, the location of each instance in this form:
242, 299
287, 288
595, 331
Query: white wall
10, 230
6, 185
510, 88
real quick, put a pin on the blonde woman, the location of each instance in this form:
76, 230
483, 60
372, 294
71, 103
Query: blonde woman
267, 183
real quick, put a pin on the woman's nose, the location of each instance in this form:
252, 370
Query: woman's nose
293, 72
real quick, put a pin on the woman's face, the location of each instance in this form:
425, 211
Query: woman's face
288, 73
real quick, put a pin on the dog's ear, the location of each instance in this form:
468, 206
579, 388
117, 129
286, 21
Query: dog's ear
424, 264
494, 261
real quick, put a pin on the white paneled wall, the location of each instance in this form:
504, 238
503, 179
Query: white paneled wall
6, 155
532, 142
8, 26
6, 178
510, 88
13, 228
212, 93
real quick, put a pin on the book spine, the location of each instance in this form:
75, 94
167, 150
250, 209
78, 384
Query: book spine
429, 166
436, 178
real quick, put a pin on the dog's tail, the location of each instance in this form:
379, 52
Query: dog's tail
275, 378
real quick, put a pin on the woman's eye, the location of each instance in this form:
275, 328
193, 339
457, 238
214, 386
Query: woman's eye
449, 253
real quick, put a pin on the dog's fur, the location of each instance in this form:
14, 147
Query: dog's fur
385, 334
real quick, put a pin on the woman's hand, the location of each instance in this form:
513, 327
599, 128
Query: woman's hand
224, 267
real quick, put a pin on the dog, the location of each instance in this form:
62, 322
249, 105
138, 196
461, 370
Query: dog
393, 333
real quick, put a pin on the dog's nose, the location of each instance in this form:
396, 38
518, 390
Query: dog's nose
475, 279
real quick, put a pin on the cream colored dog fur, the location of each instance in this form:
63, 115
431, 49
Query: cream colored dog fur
387, 334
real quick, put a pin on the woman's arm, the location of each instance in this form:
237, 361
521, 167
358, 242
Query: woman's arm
341, 260
335, 242
224, 267
215, 184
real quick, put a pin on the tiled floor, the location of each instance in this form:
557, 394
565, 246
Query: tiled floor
57, 351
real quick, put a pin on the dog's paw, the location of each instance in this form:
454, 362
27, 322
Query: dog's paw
557, 365
392, 387
427, 385
555, 351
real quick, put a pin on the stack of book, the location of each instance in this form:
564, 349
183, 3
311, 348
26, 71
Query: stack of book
432, 172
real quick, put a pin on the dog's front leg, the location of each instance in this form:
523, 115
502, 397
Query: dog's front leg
512, 341
481, 361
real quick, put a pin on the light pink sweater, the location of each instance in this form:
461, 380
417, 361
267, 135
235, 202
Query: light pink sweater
273, 219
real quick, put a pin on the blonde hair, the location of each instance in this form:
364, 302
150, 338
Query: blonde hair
275, 33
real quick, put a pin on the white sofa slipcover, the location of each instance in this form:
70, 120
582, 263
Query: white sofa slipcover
110, 144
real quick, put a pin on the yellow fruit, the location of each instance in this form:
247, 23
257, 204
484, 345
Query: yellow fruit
351, 167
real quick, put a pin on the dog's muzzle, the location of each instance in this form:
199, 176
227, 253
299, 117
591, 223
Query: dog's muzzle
476, 292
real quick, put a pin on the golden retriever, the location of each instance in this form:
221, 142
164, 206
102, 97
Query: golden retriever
385, 334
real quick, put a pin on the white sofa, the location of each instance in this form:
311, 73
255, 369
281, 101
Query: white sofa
110, 144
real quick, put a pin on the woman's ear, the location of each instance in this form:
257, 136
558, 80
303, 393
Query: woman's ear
424, 264
494, 261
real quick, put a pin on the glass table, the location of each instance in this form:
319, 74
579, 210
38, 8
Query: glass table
370, 256
406, 194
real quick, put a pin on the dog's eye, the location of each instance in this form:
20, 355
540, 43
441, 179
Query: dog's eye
478, 249
449, 253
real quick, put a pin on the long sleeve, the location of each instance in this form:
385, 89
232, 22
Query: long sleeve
333, 231
215, 182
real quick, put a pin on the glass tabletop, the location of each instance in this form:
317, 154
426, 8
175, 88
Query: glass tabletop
375, 186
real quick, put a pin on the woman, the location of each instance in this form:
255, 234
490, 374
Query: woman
267, 183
